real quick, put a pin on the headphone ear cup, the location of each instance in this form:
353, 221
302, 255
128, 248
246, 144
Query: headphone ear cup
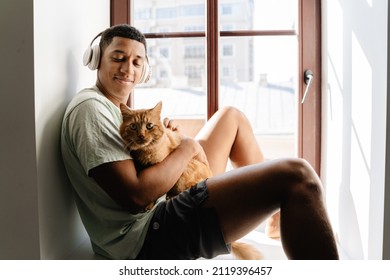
95, 58
87, 56
146, 72
91, 57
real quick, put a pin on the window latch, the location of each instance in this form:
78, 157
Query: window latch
308, 78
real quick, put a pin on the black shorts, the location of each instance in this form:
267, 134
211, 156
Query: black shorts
181, 229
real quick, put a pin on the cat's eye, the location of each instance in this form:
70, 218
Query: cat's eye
149, 126
133, 126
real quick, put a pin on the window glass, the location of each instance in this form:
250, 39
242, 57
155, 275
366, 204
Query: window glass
178, 78
177, 16
258, 14
178, 64
257, 74
260, 79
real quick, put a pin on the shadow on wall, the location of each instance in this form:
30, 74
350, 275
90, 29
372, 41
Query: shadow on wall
60, 226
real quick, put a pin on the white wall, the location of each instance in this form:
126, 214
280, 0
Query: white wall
354, 121
45, 41
62, 31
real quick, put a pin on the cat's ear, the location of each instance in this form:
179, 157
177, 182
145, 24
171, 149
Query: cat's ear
124, 110
157, 109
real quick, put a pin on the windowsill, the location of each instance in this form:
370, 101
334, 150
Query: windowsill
271, 249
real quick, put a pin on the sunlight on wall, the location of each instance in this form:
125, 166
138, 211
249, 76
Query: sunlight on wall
362, 97
336, 41
354, 122
334, 117
361, 137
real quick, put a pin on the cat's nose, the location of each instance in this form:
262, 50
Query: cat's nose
141, 136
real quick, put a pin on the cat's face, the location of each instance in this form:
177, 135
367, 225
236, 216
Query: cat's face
141, 128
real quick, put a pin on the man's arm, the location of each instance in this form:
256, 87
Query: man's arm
134, 191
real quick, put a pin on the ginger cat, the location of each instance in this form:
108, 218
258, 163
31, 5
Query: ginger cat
149, 142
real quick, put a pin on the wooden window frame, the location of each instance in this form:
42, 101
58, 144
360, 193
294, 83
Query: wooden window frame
309, 34
309, 113
120, 12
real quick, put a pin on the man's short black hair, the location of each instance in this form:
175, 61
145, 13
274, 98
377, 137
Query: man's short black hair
121, 30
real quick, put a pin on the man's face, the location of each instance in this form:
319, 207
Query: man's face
121, 65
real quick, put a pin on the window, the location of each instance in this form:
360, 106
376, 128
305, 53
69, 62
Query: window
163, 74
191, 10
194, 28
227, 50
227, 73
193, 72
194, 52
164, 52
163, 29
165, 13
255, 62
142, 14
226, 9
227, 27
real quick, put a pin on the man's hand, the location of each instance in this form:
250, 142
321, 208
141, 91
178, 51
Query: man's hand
199, 153
170, 124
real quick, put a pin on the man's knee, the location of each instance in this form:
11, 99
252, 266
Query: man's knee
233, 113
303, 177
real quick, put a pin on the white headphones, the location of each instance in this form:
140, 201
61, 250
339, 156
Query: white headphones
91, 58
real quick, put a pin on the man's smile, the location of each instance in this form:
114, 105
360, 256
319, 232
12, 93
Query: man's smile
123, 80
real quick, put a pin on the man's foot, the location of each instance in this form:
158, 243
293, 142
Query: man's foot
272, 228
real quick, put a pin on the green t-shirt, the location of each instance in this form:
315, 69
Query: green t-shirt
89, 138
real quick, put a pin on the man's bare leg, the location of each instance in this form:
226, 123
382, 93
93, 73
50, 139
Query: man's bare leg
229, 135
272, 227
259, 190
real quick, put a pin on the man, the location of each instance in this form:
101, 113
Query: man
111, 195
